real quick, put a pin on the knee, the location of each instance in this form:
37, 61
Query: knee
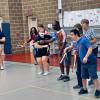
44, 61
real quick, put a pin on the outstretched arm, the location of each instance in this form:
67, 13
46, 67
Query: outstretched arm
40, 46
2, 40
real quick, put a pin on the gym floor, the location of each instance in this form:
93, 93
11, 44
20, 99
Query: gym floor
20, 81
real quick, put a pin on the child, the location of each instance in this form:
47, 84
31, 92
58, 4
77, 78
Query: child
88, 62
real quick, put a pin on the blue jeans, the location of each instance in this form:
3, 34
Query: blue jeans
78, 72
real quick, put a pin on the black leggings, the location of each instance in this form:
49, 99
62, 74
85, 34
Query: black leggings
66, 64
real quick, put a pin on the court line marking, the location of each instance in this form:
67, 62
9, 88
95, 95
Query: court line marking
64, 93
47, 89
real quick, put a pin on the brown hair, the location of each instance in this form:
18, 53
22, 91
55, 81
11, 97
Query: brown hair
79, 27
41, 25
85, 21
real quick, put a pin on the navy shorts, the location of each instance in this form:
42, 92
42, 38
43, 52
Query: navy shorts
89, 70
42, 52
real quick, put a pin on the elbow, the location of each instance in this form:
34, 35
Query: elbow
94, 40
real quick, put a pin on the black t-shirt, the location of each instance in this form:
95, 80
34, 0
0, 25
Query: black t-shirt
46, 37
39, 38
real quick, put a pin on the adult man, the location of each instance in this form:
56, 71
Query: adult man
91, 36
61, 38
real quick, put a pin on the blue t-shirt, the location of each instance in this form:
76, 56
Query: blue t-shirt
54, 36
82, 46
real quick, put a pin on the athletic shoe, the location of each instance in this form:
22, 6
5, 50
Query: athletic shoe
66, 79
46, 73
40, 73
1, 67
77, 87
61, 77
82, 91
97, 94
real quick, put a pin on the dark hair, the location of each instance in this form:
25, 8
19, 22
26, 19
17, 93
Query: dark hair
56, 25
41, 25
35, 31
79, 28
76, 32
85, 21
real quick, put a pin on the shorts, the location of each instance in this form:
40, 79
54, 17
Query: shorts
41, 52
89, 70
2, 49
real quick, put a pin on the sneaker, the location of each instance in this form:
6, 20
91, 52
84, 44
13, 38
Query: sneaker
67, 78
35, 64
1, 67
97, 94
46, 73
82, 91
61, 77
77, 87
90, 82
40, 73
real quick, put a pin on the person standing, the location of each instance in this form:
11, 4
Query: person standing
61, 38
2, 55
78, 70
42, 52
89, 33
88, 62
33, 35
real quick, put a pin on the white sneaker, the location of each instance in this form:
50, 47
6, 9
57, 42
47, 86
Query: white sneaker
1, 67
46, 73
40, 73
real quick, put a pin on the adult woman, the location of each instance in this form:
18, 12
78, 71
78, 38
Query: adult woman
33, 35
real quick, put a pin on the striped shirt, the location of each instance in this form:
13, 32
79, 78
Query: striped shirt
90, 34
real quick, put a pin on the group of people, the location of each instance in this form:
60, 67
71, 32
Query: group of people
82, 44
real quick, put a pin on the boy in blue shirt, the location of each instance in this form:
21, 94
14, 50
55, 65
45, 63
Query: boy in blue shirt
88, 62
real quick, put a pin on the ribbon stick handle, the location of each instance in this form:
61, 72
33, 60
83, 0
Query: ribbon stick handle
63, 58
